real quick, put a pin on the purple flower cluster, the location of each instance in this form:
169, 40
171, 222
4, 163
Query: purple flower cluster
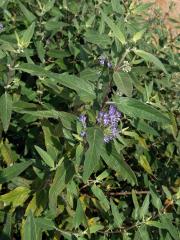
83, 119
104, 61
109, 121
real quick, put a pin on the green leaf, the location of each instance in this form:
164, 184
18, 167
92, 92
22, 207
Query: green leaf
5, 110
38, 203
83, 88
68, 120
142, 7
16, 197
167, 192
45, 224
145, 207
97, 38
150, 58
167, 224
136, 109
138, 35
118, 218
79, 155
9, 173
136, 204
40, 50
92, 156
59, 54
40, 113
29, 229
95, 227
80, 216
117, 6
48, 6
156, 200
101, 197
28, 15
45, 157
63, 175
3, 2
114, 28
142, 233
156, 224
116, 162
27, 36
6, 152
51, 140
123, 82
7, 229
141, 125
145, 164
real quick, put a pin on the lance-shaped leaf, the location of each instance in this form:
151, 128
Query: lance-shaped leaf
123, 82
45, 157
118, 217
27, 36
5, 110
150, 58
11, 172
145, 207
7, 229
116, 162
101, 197
28, 15
167, 224
83, 88
137, 109
63, 175
142, 233
138, 35
29, 230
97, 38
156, 200
92, 156
80, 217
16, 197
45, 224
145, 164
114, 28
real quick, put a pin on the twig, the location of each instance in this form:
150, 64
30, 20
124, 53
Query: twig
117, 67
127, 193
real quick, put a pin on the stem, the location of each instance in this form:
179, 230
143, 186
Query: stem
11, 71
128, 193
117, 67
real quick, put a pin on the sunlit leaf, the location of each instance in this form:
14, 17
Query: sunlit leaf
150, 58
101, 197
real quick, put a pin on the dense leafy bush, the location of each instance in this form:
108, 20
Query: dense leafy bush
89, 133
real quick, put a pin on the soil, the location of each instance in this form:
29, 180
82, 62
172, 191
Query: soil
170, 10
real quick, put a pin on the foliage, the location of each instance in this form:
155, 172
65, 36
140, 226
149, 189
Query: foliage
63, 66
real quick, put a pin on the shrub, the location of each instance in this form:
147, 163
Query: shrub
89, 130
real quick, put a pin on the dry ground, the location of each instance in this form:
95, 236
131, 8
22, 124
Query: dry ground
169, 12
